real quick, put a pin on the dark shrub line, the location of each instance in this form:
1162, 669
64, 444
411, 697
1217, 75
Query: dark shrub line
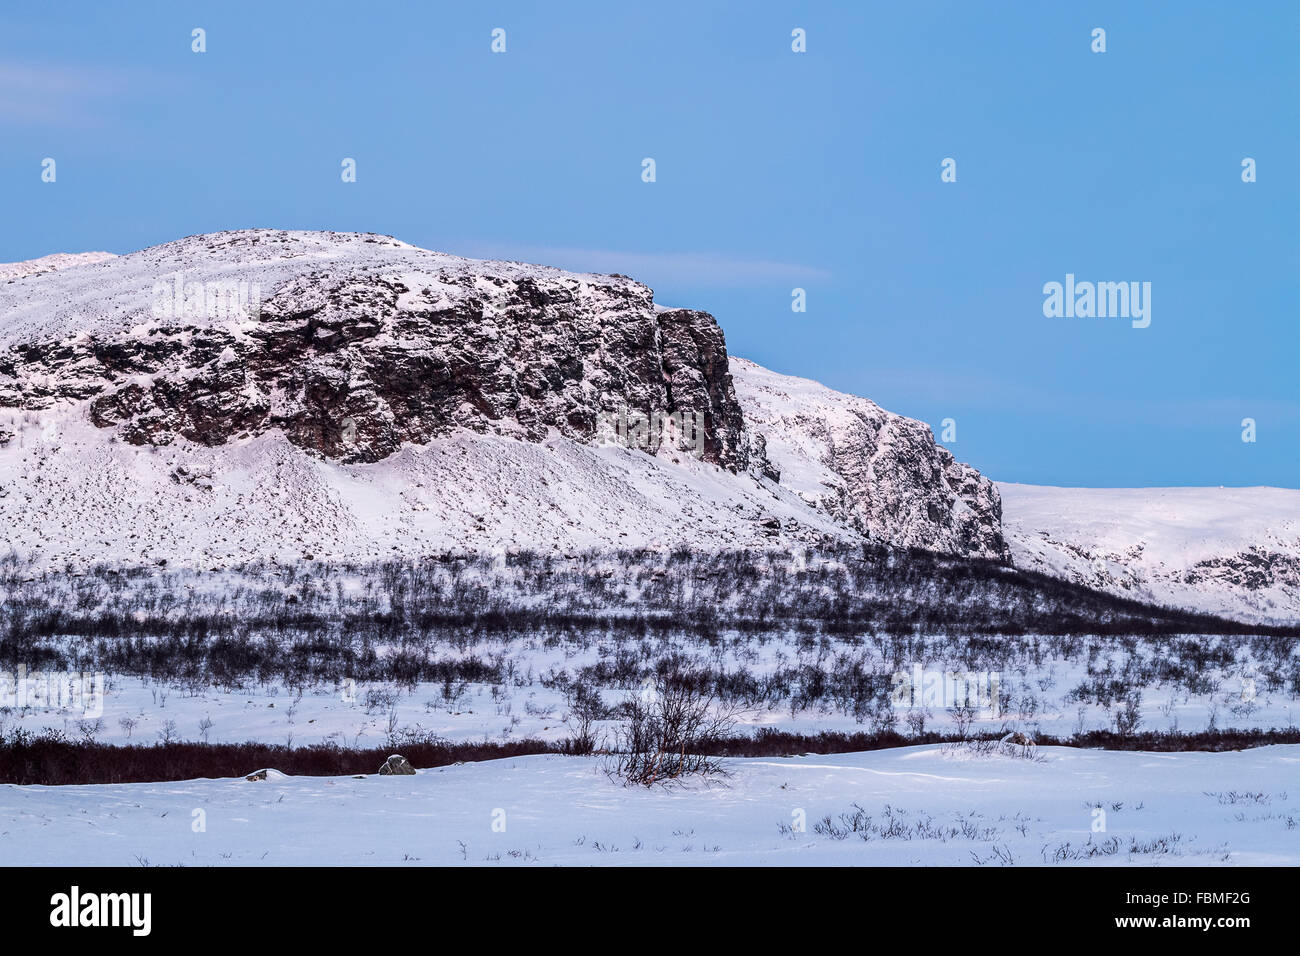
51, 760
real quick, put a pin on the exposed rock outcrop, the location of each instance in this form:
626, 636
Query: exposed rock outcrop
353, 345
398, 765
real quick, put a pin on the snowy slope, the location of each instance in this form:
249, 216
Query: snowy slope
919, 806
1233, 551
475, 392
70, 493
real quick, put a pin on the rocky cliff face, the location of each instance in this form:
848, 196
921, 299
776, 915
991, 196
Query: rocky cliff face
353, 346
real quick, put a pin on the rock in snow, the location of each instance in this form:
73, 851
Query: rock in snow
268, 773
350, 395
397, 764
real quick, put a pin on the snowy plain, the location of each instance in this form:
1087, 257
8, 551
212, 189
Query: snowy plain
930, 805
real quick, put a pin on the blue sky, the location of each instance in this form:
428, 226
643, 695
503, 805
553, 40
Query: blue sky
774, 170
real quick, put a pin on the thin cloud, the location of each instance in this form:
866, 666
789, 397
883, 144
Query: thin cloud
57, 95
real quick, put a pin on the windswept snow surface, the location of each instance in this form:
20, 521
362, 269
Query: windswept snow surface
924, 805
1230, 551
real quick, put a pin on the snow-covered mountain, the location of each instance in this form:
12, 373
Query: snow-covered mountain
263, 393
266, 393
1231, 551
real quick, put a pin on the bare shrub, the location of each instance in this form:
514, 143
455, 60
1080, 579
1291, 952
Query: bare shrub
585, 708
672, 730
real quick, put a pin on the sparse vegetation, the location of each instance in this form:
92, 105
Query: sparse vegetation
748, 631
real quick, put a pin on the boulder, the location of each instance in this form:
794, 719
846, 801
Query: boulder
397, 764
265, 774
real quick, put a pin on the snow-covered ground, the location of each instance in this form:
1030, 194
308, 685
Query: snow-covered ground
73, 496
1230, 551
915, 806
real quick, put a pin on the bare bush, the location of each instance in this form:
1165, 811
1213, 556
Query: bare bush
585, 708
672, 730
